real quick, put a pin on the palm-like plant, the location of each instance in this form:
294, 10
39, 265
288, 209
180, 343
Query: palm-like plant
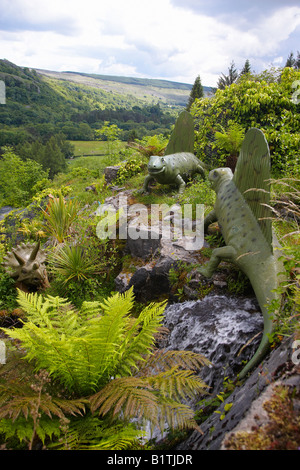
60, 215
107, 359
73, 263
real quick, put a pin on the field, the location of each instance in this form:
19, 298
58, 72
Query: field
84, 148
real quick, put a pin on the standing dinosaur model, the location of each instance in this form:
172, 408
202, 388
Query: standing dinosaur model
176, 169
178, 164
244, 217
25, 264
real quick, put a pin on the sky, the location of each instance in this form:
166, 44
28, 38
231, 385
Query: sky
174, 40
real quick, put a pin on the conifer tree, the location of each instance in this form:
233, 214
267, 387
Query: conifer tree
196, 92
246, 68
227, 80
292, 61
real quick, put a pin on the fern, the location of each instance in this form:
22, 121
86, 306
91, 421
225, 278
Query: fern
106, 356
91, 433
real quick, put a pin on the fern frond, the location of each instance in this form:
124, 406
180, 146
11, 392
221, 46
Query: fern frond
177, 384
140, 338
176, 416
20, 399
130, 395
152, 399
91, 433
163, 359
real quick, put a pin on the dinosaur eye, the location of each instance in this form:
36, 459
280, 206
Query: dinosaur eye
215, 174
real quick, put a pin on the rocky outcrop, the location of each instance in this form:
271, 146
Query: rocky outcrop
247, 401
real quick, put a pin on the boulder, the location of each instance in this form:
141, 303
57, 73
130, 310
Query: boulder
111, 173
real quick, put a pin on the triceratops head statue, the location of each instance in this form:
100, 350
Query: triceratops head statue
25, 264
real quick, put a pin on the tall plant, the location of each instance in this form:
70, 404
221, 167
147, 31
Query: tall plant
60, 215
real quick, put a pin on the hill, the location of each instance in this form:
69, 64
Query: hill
168, 92
41, 103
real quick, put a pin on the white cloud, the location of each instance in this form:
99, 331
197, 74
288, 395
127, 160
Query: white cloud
159, 39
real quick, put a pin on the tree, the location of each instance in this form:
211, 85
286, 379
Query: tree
261, 101
53, 159
111, 132
227, 80
18, 178
196, 92
292, 61
246, 68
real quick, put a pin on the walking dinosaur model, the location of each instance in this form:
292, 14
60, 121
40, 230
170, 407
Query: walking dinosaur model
244, 217
178, 164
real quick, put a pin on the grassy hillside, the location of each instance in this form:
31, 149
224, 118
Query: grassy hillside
43, 103
137, 90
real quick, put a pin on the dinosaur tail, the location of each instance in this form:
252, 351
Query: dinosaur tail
263, 347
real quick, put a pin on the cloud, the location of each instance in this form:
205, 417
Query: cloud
32, 15
167, 39
244, 9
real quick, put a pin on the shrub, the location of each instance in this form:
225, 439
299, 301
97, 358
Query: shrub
263, 101
60, 215
18, 179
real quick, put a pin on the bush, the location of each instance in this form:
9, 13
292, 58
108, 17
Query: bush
263, 101
18, 179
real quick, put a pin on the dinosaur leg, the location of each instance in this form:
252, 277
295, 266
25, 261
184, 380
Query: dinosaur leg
226, 253
209, 219
201, 171
180, 181
147, 180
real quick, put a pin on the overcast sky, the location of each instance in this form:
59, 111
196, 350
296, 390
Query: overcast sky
169, 39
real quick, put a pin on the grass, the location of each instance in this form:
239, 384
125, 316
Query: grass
93, 147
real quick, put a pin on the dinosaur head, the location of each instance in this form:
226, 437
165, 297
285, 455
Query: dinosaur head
25, 264
218, 176
156, 165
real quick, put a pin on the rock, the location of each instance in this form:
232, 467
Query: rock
246, 400
5, 210
218, 327
144, 246
91, 188
111, 173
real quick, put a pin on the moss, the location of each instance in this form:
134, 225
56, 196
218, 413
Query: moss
281, 432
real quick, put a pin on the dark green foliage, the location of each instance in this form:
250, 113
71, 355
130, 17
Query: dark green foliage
293, 61
227, 80
263, 101
18, 178
50, 155
196, 92
8, 293
246, 68
37, 107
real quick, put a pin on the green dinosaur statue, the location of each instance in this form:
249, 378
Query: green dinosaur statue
179, 163
183, 136
173, 169
244, 217
25, 264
